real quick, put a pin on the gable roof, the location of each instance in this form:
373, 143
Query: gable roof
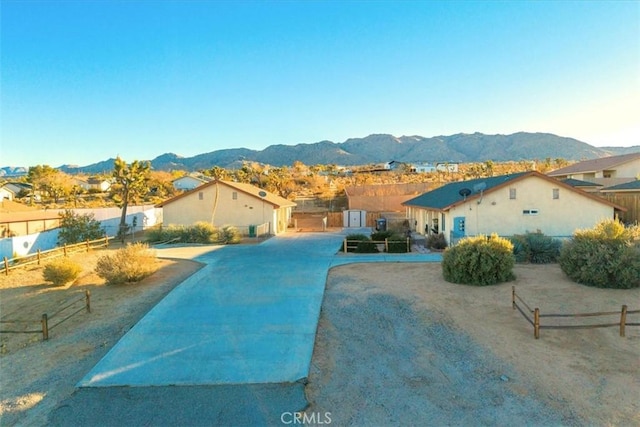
579, 183
595, 165
249, 189
627, 186
449, 196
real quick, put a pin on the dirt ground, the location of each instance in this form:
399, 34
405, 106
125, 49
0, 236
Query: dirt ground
587, 376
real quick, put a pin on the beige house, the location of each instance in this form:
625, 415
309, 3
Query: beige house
606, 171
224, 203
507, 205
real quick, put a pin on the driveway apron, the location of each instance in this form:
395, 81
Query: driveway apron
248, 317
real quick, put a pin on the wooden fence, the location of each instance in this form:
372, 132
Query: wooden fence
533, 316
62, 314
351, 245
12, 263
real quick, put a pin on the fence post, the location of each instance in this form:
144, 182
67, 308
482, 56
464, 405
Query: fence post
39, 256
88, 298
386, 245
536, 323
64, 249
623, 319
45, 327
106, 241
87, 245
408, 244
345, 246
6, 266
513, 297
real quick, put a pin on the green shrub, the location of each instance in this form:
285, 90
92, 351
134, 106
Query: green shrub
200, 232
229, 235
603, 257
535, 248
379, 236
397, 244
76, 228
436, 241
358, 237
132, 263
61, 271
366, 247
520, 248
479, 261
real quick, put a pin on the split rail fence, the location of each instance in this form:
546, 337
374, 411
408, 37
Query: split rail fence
47, 322
65, 250
533, 316
352, 245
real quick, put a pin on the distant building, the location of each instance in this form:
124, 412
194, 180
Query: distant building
191, 181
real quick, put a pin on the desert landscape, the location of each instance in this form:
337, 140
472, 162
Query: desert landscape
380, 325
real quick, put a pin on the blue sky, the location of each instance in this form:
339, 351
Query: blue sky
83, 81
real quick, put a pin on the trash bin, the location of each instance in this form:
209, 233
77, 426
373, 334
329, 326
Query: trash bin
381, 224
252, 231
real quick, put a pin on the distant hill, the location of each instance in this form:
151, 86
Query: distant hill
380, 148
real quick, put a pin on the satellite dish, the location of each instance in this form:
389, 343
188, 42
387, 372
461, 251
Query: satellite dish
464, 192
262, 194
479, 187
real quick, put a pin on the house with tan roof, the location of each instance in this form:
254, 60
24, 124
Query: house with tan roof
508, 205
606, 171
223, 203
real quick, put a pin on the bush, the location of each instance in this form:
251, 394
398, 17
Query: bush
379, 236
132, 263
535, 248
229, 235
479, 261
603, 257
200, 232
436, 241
397, 244
61, 271
75, 228
358, 237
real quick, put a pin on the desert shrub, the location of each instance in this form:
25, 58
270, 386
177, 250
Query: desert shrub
359, 237
75, 228
61, 271
200, 232
229, 235
479, 261
397, 244
366, 247
379, 236
535, 248
603, 257
436, 241
160, 234
132, 263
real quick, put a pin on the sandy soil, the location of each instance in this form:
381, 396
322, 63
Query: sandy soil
374, 317
396, 344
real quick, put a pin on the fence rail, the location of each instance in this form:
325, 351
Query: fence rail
353, 244
65, 250
533, 316
45, 320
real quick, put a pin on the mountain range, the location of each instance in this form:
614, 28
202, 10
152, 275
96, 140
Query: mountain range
381, 148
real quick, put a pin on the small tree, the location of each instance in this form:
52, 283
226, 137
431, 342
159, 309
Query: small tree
75, 228
131, 183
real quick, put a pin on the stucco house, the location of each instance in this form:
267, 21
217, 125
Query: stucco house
508, 205
189, 182
224, 203
606, 171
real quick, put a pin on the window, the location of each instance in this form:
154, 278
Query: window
530, 212
200, 195
512, 193
556, 193
234, 195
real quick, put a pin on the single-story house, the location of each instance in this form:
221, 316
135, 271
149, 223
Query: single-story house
12, 190
507, 205
224, 203
189, 182
607, 171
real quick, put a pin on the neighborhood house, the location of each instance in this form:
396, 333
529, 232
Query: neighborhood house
223, 203
507, 205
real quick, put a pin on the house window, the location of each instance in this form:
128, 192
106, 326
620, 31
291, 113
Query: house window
234, 195
530, 212
556, 193
512, 193
200, 195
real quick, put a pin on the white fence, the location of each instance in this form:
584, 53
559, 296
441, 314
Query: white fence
109, 218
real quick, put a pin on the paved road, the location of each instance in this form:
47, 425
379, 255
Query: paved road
237, 336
